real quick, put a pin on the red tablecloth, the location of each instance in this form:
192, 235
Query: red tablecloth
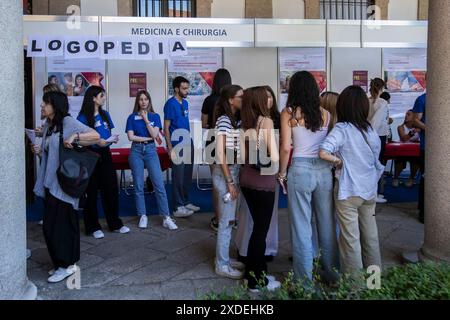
120, 158
399, 149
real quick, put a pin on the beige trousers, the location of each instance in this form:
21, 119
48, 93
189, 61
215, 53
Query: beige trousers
358, 237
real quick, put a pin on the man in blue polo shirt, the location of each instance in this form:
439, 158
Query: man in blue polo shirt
419, 122
176, 118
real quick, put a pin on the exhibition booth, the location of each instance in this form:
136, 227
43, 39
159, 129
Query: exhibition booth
255, 51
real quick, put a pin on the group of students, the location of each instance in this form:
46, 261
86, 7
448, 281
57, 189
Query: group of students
331, 145
333, 155
93, 128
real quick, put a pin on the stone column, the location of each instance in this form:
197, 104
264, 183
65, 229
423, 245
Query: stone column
437, 161
423, 10
204, 8
384, 6
312, 9
13, 265
258, 9
125, 8
53, 7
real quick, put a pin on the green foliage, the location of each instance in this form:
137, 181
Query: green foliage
424, 281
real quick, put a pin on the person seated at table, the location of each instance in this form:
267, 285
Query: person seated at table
143, 127
407, 134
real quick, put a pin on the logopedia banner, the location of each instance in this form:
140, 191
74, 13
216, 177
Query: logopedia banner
107, 48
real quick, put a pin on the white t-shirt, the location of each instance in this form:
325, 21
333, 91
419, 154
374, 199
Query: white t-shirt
379, 117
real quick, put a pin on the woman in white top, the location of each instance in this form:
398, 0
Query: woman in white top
379, 120
304, 124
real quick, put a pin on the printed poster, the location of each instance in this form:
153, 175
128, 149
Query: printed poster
73, 77
361, 78
292, 60
199, 67
137, 82
405, 73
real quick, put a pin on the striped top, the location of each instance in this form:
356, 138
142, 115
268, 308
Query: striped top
225, 128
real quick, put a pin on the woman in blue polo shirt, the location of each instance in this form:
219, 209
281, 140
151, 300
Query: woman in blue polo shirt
143, 127
104, 176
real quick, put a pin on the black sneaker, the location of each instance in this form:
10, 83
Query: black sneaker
214, 224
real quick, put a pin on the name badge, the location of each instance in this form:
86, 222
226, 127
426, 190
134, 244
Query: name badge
186, 113
152, 124
98, 124
137, 118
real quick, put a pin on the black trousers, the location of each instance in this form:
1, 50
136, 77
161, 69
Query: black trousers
104, 178
260, 204
61, 232
421, 204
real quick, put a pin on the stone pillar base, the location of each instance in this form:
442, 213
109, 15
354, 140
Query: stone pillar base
428, 255
30, 292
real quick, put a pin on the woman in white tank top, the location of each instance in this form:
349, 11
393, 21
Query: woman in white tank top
309, 183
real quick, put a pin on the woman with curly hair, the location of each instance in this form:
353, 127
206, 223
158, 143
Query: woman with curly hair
304, 124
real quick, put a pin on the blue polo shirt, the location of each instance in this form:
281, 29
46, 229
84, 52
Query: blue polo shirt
136, 124
419, 107
101, 126
178, 114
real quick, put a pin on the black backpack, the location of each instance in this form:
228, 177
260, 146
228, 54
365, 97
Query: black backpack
75, 168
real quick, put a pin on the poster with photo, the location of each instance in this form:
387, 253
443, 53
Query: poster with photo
292, 60
137, 81
361, 78
405, 73
199, 67
73, 77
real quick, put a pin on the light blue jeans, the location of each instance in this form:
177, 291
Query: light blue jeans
227, 213
310, 189
145, 156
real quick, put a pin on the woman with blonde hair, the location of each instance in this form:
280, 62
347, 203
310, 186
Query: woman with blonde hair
328, 101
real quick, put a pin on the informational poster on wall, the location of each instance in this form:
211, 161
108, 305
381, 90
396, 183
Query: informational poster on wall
361, 78
137, 82
405, 72
199, 67
73, 77
292, 60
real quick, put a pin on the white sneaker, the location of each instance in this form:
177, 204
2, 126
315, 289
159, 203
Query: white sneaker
380, 200
40, 222
182, 212
191, 207
169, 224
61, 274
237, 264
143, 222
98, 234
229, 272
123, 230
271, 286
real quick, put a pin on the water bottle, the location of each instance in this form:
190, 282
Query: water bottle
227, 197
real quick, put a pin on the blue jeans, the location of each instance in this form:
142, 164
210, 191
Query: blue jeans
227, 213
310, 189
182, 181
145, 155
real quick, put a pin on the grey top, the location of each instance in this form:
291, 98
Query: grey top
46, 176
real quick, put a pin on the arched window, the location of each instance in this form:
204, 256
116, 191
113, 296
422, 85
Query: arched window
165, 8
346, 9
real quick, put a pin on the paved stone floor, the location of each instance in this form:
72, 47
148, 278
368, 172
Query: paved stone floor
156, 263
